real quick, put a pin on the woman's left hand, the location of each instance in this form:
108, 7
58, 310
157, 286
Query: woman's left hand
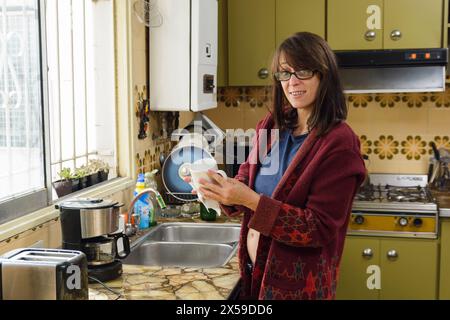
228, 191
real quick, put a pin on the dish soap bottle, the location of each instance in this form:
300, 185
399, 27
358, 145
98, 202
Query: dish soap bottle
143, 206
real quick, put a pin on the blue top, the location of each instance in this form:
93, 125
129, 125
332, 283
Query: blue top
277, 161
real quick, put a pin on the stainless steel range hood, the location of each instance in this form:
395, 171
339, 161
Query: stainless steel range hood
379, 71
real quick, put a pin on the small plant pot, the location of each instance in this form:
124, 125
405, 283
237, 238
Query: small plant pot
83, 183
62, 187
92, 179
103, 175
75, 185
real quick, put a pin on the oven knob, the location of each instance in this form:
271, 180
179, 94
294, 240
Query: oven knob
403, 221
417, 222
359, 219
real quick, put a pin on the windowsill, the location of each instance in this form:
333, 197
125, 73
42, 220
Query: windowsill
34, 219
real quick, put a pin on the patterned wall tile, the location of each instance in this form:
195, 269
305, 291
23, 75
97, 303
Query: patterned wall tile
387, 99
366, 145
413, 147
441, 142
415, 99
386, 147
441, 99
231, 96
359, 100
258, 96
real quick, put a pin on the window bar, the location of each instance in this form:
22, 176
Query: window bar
6, 88
59, 83
73, 89
25, 95
85, 83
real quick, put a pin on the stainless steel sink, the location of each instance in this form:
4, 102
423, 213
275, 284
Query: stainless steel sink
195, 232
186, 245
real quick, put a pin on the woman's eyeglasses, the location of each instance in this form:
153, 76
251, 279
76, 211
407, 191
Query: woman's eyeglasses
304, 74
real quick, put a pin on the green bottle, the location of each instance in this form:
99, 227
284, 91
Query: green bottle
207, 215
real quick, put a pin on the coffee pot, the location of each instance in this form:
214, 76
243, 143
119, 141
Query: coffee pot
92, 226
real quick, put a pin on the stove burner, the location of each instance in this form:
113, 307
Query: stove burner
406, 194
389, 193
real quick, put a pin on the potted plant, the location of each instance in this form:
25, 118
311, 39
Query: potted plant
63, 186
81, 175
103, 170
92, 174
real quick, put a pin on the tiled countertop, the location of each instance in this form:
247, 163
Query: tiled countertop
161, 283
443, 199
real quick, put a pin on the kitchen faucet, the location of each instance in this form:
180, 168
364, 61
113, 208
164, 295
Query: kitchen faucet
132, 228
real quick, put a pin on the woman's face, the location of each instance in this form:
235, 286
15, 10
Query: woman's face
301, 94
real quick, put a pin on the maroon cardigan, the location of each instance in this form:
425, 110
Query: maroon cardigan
303, 225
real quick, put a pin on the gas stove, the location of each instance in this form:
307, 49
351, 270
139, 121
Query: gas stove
395, 205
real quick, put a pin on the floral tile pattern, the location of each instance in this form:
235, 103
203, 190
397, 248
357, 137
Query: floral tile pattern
365, 145
415, 99
257, 96
441, 99
359, 100
231, 96
386, 147
441, 142
413, 147
387, 99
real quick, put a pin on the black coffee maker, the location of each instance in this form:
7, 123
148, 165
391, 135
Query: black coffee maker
91, 226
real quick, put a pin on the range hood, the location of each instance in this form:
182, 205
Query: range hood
379, 71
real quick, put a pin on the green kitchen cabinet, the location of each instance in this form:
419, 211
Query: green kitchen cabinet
444, 276
299, 15
385, 24
413, 24
359, 254
251, 41
348, 24
407, 269
222, 64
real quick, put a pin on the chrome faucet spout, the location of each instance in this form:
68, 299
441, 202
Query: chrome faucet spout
131, 229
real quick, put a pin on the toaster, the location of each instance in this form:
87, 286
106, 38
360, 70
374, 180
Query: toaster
43, 274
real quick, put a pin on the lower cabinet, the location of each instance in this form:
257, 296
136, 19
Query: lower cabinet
444, 277
387, 268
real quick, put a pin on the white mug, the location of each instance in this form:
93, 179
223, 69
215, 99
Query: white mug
199, 170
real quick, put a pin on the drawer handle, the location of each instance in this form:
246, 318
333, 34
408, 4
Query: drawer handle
396, 35
367, 253
370, 35
392, 255
263, 73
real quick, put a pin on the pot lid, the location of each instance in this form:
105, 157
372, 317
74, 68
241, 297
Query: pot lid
86, 203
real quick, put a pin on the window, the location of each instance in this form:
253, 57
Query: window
60, 118
80, 51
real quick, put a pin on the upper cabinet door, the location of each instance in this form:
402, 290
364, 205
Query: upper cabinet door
299, 15
413, 24
222, 63
251, 41
355, 24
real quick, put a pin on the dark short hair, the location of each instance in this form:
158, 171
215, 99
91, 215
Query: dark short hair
305, 50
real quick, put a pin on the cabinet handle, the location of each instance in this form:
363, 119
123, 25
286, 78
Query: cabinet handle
263, 73
396, 35
370, 35
392, 255
367, 253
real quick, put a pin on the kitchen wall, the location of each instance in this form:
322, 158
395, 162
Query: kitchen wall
394, 129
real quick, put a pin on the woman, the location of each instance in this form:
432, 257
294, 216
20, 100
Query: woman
295, 219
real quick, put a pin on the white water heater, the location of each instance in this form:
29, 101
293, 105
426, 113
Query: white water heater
183, 56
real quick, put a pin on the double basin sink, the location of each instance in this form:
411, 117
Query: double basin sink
179, 244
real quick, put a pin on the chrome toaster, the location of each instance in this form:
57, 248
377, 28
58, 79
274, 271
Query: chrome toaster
43, 274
